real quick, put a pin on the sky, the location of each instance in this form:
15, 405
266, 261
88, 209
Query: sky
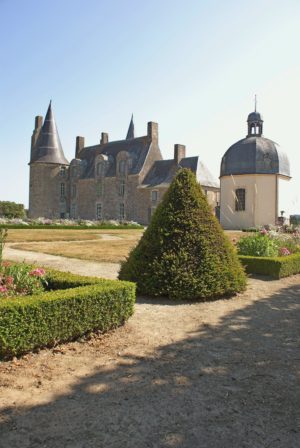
193, 67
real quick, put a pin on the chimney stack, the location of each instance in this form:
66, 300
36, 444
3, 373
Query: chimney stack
179, 153
152, 131
79, 146
104, 138
38, 122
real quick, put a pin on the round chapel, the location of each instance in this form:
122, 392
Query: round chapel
249, 179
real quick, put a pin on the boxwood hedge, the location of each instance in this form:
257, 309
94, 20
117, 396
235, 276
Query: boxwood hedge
72, 307
276, 267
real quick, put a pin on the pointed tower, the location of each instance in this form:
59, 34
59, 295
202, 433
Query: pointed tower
48, 188
130, 132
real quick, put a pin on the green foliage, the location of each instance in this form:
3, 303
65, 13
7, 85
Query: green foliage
184, 253
11, 210
31, 322
276, 267
3, 236
258, 245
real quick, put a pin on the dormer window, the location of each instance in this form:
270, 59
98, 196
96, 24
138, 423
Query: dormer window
100, 169
62, 171
122, 167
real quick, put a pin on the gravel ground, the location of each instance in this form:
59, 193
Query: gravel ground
222, 374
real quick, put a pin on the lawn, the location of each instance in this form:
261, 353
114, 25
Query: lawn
96, 245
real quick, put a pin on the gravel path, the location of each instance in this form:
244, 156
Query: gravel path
82, 267
221, 374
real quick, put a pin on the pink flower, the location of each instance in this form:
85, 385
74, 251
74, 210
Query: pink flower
9, 280
283, 251
263, 232
39, 272
3, 289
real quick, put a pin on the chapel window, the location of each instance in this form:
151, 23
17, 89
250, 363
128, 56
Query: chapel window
62, 190
74, 191
240, 200
100, 169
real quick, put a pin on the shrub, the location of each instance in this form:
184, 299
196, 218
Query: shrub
259, 245
276, 267
60, 315
184, 253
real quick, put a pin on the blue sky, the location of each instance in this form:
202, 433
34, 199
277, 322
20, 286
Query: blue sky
192, 66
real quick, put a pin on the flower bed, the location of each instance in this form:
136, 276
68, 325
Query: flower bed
71, 307
42, 223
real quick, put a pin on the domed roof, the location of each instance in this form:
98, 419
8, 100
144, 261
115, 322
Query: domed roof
255, 155
255, 116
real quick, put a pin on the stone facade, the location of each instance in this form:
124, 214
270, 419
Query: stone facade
121, 180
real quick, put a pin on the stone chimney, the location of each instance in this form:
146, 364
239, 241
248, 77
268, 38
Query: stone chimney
38, 123
104, 138
179, 153
79, 146
152, 131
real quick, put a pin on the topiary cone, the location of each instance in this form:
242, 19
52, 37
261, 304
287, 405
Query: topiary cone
184, 253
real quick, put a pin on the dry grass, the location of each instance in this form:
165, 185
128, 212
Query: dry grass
113, 247
31, 235
110, 246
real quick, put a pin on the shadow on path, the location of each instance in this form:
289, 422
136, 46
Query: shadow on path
232, 385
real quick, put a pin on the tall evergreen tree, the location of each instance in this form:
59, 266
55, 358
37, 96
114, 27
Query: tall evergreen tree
184, 253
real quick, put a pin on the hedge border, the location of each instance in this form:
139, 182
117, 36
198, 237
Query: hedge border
77, 305
276, 267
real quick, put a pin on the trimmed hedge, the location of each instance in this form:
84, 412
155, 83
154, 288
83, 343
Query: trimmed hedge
276, 267
76, 306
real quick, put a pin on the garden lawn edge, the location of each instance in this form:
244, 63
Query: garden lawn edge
76, 306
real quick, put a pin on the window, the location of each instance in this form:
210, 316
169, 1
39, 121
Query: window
122, 212
154, 195
62, 190
99, 211
99, 190
73, 211
74, 191
240, 200
122, 167
122, 188
100, 169
74, 171
62, 171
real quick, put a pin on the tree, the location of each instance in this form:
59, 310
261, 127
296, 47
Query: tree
11, 210
184, 253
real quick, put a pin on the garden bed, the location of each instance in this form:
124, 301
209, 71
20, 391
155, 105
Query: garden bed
71, 307
275, 267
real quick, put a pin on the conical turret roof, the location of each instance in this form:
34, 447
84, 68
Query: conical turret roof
48, 147
130, 132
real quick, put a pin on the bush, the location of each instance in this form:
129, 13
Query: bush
184, 253
11, 210
276, 267
258, 245
31, 322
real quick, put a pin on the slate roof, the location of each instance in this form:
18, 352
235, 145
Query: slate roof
48, 147
255, 155
137, 149
163, 171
